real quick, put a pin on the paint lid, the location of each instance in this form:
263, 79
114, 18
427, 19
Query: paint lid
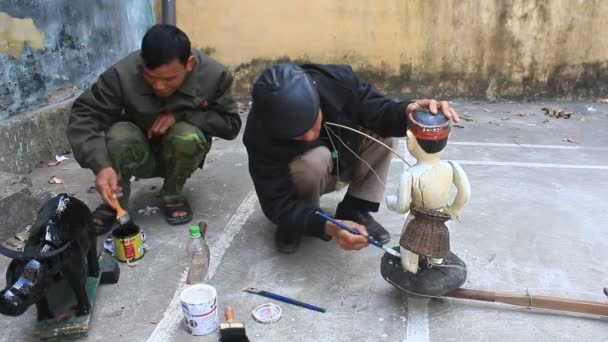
267, 313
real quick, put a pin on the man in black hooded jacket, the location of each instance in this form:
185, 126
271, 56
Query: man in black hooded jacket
294, 157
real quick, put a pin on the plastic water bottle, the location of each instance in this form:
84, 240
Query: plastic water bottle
198, 254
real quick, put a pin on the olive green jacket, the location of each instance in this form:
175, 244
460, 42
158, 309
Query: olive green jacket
121, 94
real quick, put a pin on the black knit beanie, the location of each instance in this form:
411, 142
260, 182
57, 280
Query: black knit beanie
286, 100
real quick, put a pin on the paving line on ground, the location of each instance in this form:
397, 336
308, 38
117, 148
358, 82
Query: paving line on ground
402, 146
518, 164
556, 147
165, 329
417, 320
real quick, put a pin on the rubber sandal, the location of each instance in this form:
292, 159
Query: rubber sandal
107, 216
173, 207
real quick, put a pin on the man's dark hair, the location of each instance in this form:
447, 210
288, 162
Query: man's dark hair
162, 44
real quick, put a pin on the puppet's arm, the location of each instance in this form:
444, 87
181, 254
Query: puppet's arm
401, 202
463, 188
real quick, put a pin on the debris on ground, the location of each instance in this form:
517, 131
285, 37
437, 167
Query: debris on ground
488, 110
591, 108
466, 116
61, 158
601, 100
244, 107
492, 257
160, 318
115, 313
18, 241
91, 190
570, 140
57, 161
55, 180
147, 211
131, 263
459, 126
557, 113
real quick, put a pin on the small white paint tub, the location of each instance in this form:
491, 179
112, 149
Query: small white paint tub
199, 305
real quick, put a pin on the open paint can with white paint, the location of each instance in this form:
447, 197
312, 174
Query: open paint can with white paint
199, 305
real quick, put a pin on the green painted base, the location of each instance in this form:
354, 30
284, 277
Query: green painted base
61, 300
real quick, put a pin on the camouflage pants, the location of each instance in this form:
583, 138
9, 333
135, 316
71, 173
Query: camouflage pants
174, 156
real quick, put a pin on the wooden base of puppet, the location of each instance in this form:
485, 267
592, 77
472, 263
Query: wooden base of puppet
436, 280
61, 301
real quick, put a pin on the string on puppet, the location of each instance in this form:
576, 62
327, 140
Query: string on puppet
370, 137
329, 130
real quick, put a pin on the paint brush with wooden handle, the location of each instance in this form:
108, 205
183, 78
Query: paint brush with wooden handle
122, 216
231, 331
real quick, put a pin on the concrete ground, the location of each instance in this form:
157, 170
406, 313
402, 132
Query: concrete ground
535, 223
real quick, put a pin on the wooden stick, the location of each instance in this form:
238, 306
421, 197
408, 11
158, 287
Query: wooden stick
541, 302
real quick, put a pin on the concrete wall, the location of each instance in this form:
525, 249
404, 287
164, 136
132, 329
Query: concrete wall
51, 49
453, 48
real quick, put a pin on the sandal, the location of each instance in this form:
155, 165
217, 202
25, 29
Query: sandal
177, 206
107, 215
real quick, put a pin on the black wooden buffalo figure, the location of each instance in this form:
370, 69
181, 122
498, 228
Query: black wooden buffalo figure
61, 244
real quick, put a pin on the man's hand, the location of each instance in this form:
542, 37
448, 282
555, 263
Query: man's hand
433, 106
160, 126
107, 177
346, 240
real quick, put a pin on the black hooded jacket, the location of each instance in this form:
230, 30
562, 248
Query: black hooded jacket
344, 99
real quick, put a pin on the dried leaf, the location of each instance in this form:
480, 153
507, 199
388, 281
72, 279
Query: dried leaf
53, 163
601, 100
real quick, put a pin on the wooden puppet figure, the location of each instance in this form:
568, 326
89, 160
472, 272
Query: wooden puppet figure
424, 192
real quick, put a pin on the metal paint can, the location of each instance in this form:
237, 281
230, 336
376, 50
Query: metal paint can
128, 244
199, 305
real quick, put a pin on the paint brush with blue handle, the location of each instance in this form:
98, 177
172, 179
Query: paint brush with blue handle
370, 238
283, 299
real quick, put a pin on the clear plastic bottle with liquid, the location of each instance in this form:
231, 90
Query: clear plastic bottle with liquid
198, 254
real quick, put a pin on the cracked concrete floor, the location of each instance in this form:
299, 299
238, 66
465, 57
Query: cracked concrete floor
536, 222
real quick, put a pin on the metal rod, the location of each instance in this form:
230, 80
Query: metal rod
541, 302
169, 12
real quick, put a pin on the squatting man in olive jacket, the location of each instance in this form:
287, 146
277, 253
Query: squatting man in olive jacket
152, 114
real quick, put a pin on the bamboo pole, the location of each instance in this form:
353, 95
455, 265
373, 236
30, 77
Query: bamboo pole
541, 302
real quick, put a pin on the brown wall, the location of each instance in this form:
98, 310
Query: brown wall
450, 48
